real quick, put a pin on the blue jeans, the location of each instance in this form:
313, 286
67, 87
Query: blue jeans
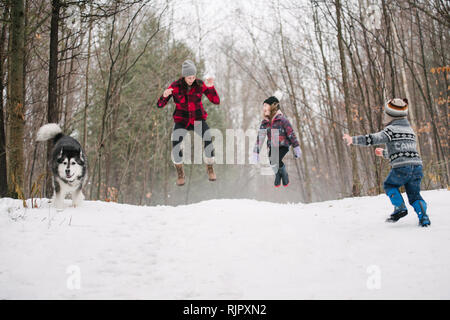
408, 176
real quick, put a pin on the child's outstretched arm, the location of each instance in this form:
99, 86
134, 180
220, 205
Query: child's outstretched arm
371, 139
292, 138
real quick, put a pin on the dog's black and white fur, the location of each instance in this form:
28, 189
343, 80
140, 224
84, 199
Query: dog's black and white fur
68, 163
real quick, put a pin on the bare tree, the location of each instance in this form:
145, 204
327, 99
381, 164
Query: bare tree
3, 45
15, 112
356, 187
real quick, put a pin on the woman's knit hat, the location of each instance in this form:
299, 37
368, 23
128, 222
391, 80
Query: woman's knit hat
396, 107
188, 69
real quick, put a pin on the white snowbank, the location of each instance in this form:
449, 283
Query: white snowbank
225, 249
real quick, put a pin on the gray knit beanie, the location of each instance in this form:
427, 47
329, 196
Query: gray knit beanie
396, 107
188, 69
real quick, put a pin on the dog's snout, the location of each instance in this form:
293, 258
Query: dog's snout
67, 171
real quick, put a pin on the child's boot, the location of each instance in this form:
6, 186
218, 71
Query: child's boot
284, 176
399, 205
276, 170
420, 207
399, 212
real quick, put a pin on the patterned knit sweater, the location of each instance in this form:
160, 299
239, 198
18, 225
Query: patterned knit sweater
400, 140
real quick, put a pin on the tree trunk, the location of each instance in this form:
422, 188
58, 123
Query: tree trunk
86, 91
355, 176
431, 108
16, 116
3, 169
292, 96
52, 107
329, 103
389, 50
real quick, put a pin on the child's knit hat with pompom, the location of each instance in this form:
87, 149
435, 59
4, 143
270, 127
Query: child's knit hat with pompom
396, 107
274, 103
275, 99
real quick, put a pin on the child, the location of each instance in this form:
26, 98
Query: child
404, 159
275, 120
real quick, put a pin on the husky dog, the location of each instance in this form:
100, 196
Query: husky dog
68, 163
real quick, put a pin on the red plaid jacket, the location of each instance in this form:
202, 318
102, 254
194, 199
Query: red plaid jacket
188, 105
286, 135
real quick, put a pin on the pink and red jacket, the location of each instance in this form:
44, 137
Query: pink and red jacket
286, 135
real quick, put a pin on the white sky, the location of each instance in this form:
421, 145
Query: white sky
218, 18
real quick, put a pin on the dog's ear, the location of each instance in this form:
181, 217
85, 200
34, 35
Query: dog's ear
60, 155
82, 156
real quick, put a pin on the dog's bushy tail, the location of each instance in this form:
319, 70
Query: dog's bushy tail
49, 131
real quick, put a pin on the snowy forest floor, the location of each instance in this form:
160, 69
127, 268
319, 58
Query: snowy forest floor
225, 249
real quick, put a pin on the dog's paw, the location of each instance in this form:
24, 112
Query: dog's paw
77, 199
59, 205
77, 202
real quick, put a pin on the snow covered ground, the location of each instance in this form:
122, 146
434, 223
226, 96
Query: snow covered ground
225, 249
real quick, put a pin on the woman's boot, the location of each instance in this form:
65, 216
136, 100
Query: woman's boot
210, 171
180, 173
